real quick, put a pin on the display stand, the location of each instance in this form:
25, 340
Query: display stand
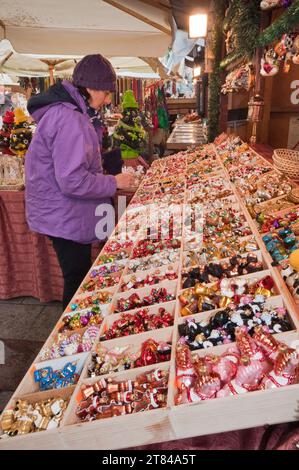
271, 406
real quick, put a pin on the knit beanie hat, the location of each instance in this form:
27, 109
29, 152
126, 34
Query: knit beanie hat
95, 72
129, 100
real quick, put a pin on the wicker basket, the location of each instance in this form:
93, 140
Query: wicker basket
12, 187
294, 195
287, 161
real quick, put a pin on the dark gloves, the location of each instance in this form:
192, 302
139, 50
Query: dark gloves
112, 162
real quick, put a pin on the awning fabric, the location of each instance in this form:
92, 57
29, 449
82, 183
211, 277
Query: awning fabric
78, 28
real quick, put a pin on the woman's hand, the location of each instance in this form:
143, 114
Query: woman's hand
124, 181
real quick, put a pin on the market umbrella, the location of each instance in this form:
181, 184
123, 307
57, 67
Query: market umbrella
37, 65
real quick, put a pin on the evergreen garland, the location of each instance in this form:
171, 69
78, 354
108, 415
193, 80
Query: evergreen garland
230, 59
284, 24
230, 14
243, 18
215, 76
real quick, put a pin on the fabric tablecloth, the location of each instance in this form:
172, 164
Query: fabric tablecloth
276, 437
29, 266
28, 262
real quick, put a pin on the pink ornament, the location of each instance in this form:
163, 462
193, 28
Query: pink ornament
75, 338
91, 333
247, 379
253, 366
285, 371
84, 347
225, 366
245, 300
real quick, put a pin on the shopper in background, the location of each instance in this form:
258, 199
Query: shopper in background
64, 178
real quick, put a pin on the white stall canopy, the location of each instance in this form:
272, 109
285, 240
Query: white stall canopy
35, 65
126, 28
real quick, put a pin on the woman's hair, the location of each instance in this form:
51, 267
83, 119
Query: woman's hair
84, 92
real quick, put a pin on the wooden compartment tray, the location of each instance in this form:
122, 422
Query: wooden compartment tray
173, 422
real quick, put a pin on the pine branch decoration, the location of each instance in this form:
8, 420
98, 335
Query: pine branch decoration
243, 18
284, 24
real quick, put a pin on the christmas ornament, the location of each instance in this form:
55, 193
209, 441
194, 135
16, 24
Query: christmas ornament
5, 131
108, 398
129, 134
269, 64
21, 134
27, 417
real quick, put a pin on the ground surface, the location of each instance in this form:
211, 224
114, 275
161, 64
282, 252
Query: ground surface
25, 324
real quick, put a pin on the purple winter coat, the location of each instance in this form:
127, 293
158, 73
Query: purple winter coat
64, 180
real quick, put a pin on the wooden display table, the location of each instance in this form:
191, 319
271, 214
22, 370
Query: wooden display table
242, 411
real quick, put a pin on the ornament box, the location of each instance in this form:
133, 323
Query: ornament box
173, 421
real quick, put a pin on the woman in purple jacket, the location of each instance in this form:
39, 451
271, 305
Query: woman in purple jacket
64, 178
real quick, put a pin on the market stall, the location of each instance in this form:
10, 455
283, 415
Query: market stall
183, 326
187, 324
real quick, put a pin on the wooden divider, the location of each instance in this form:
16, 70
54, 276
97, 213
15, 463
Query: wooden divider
173, 422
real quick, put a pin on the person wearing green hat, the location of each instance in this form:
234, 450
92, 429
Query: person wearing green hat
130, 135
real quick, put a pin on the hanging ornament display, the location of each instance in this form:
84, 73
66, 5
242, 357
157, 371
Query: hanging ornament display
156, 107
240, 79
255, 114
163, 120
284, 52
21, 134
230, 41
